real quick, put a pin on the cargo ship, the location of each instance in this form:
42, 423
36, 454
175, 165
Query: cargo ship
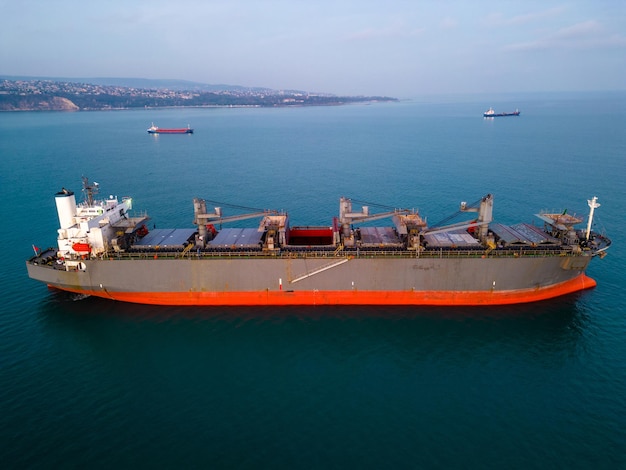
106, 250
490, 113
157, 130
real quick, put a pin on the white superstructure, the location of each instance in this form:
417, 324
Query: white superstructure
92, 227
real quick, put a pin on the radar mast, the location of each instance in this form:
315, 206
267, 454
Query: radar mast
90, 190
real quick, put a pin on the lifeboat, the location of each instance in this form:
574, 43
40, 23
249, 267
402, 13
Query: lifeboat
81, 248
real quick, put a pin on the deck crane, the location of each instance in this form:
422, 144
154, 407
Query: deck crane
203, 219
408, 223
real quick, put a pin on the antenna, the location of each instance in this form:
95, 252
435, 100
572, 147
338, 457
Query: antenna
593, 205
89, 190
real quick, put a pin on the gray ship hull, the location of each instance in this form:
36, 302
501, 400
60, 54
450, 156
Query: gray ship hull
444, 279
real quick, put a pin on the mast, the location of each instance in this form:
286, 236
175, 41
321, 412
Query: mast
89, 190
593, 205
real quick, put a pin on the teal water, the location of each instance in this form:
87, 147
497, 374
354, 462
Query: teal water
94, 383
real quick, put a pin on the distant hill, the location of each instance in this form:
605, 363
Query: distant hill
85, 94
149, 83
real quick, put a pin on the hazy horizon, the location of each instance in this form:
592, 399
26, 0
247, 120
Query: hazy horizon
347, 48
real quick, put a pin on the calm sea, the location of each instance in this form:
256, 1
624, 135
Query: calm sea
93, 383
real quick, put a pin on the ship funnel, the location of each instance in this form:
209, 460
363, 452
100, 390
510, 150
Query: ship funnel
66, 208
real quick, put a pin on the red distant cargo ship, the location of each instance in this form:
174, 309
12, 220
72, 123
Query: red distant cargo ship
157, 130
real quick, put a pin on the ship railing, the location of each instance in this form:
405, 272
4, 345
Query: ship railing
259, 254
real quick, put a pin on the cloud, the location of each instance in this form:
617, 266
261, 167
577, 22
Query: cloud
580, 30
497, 19
448, 23
398, 30
586, 35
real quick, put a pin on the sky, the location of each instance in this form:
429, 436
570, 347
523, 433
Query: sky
399, 48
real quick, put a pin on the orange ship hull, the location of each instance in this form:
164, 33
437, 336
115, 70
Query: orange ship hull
351, 297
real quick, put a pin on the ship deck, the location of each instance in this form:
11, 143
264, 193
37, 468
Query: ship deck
334, 253
165, 238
